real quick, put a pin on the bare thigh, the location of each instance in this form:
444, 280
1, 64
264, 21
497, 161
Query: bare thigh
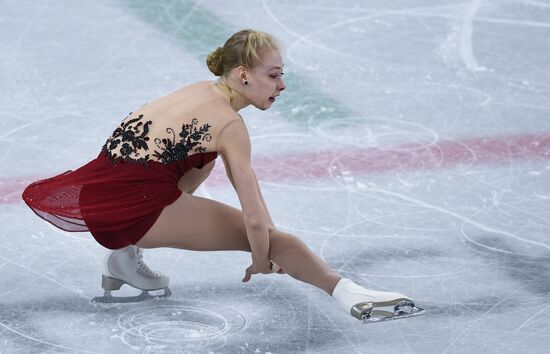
199, 224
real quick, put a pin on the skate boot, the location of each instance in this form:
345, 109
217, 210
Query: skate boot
126, 266
373, 306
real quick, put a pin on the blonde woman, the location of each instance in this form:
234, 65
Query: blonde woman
138, 192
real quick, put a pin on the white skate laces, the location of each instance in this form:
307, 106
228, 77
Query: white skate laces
144, 267
371, 306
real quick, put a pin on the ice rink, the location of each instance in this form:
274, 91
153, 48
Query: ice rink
411, 151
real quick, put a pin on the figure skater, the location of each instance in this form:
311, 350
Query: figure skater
138, 192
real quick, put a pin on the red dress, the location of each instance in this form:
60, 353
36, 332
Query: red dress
119, 195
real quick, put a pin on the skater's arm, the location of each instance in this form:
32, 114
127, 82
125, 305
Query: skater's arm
263, 201
228, 172
234, 145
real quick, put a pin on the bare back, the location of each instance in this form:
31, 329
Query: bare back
182, 123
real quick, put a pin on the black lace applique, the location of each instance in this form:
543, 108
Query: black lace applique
190, 138
134, 142
133, 139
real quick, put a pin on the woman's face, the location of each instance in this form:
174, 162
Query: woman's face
265, 81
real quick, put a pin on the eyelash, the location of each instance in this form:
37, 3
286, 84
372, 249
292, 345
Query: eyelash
277, 75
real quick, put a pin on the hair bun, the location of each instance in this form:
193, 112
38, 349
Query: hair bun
214, 61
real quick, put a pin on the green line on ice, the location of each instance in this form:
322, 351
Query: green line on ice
202, 31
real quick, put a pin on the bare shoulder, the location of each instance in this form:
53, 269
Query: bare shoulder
232, 135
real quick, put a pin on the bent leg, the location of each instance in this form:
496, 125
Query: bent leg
201, 224
197, 224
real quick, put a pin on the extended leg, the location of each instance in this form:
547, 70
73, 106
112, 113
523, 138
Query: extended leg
298, 261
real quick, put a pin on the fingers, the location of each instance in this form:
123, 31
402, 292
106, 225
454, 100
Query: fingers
248, 275
273, 267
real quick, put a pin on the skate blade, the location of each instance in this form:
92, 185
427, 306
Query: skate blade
402, 309
107, 298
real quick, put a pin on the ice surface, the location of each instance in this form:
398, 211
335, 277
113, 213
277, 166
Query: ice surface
410, 151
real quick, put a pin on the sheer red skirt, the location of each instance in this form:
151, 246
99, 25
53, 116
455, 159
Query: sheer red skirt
117, 203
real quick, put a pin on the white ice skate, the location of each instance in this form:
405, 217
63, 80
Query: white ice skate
373, 306
126, 266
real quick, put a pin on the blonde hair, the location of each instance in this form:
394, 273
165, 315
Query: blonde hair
242, 48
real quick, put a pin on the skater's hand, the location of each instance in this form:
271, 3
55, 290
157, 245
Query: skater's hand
267, 267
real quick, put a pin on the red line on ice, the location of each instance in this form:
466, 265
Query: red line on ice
320, 164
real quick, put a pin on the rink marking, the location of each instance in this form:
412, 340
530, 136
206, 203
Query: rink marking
361, 161
409, 157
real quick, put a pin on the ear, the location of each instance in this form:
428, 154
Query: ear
242, 73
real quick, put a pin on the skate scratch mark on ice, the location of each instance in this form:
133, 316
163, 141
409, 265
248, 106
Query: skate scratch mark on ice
44, 342
305, 38
290, 31
21, 127
390, 216
335, 234
350, 258
532, 317
463, 234
436, 275
483, 315
178, 258
19, 40
477, 19
150, 325
373, 13
466, 50
336, 326
462, 218
267, 289
406, 342
180, 23
13, 289
45, 277
355, 10
66, 260
513, 22
534, 3
81, 112
63, 326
